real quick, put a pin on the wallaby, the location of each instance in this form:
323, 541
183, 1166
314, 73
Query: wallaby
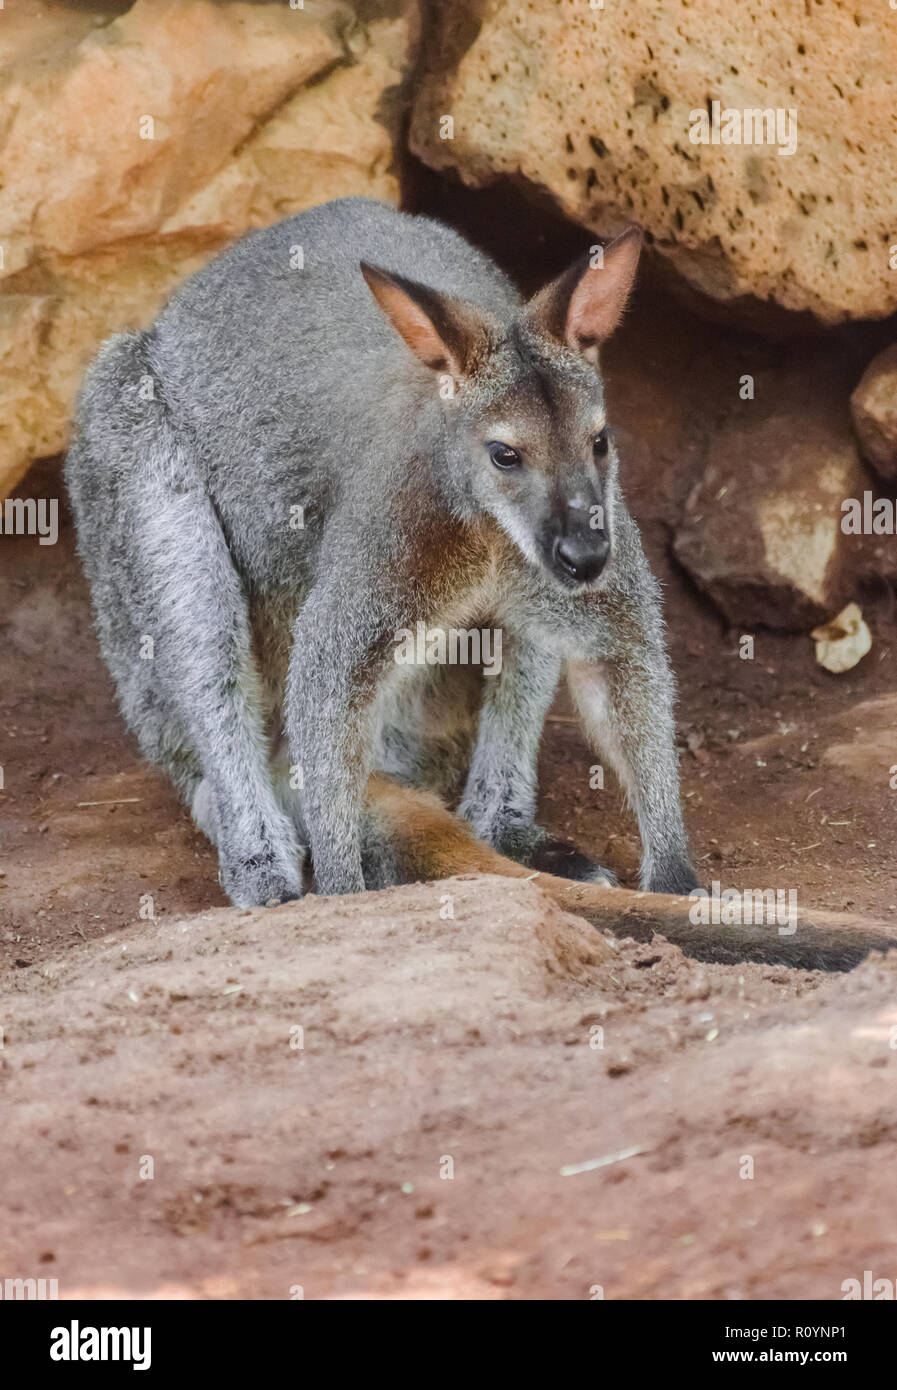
346, 425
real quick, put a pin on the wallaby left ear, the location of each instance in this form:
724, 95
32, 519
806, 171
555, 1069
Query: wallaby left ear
447, 334
583, 306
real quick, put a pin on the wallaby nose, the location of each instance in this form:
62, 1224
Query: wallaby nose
583, 557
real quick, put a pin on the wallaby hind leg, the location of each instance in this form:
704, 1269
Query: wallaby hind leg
173, 621
205, 656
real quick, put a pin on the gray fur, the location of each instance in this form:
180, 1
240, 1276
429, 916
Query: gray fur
262, 387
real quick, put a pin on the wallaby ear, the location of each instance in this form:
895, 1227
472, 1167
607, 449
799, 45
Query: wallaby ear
583, 306
444, 332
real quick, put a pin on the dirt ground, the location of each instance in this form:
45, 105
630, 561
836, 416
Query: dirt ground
432, 1044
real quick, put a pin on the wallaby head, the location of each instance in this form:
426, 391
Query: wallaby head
526, 437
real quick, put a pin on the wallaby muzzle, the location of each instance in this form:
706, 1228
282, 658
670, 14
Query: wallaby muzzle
575, 541
581, 556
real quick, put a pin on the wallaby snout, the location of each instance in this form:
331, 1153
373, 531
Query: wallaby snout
581, 555
575, 539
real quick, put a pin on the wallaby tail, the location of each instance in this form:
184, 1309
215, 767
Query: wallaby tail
429, 842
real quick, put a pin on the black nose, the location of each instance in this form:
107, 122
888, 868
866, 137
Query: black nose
583, 557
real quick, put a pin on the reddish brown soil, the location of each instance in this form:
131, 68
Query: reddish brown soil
428, 1042
467, 1038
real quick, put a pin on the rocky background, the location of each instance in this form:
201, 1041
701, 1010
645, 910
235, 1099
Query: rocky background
753, 390
139, 139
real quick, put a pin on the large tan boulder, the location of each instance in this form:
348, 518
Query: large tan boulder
874, 409
763, 529
593, 105
136, 147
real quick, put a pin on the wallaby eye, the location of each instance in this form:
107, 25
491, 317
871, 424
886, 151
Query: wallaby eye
502, 455
600, 444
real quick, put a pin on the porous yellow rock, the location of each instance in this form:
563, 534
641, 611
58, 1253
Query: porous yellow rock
594, 102
136, 146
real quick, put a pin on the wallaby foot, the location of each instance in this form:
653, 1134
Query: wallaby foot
251, 877
674, 877
564, 860
260, 880
535, 848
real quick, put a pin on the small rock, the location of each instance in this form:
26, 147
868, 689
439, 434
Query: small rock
761, 533
874, 409
843, 642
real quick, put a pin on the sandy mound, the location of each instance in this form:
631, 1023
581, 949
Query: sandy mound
362, 1097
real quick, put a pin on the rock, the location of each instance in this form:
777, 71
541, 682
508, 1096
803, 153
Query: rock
842, 643
138, 146
870, 527
594, 107
874, 409
761, 532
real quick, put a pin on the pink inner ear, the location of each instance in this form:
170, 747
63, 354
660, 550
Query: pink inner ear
422, 338
415, 327
410, 319
596, 305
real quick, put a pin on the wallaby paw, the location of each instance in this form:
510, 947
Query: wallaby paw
516, 840
561, 858
676, 878
260, 882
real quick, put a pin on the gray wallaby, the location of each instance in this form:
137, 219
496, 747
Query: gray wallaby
346, 425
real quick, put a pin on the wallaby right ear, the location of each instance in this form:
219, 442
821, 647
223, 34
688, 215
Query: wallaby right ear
444, 332
583, 306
